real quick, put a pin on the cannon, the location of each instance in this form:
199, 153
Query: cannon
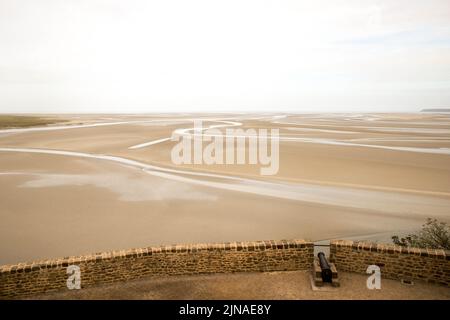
324, 272
327, 274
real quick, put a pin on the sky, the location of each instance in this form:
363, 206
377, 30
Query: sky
106, 56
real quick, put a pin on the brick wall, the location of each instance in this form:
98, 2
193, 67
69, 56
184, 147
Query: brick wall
395, 262
43, 276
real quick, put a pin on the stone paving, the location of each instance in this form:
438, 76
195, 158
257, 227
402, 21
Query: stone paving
267, 285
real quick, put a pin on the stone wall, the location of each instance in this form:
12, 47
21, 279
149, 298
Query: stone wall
395, 262
43, 276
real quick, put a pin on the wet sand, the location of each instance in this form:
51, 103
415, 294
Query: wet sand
81, 188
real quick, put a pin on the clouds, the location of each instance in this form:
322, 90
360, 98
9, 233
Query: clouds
153, 56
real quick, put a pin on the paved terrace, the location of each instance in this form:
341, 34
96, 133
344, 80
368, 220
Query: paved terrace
269, 285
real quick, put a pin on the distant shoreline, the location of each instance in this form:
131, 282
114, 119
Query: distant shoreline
436, 110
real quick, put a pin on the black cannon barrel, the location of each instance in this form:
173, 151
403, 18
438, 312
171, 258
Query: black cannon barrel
325, 266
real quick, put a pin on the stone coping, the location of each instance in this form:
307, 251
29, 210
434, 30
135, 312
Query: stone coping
148, 251
391, 249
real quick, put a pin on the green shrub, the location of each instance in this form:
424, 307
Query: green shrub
434, 235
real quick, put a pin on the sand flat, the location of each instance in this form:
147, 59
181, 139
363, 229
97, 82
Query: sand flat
98, 194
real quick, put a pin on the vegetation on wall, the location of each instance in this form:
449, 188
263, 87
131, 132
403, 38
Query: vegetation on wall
434, 235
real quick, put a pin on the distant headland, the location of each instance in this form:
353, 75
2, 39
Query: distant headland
435, 110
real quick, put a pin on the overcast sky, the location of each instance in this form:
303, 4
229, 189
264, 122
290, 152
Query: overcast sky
160, 56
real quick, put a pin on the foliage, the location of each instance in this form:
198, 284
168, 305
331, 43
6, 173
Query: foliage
434, 235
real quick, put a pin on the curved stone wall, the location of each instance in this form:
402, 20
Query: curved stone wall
107, 267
